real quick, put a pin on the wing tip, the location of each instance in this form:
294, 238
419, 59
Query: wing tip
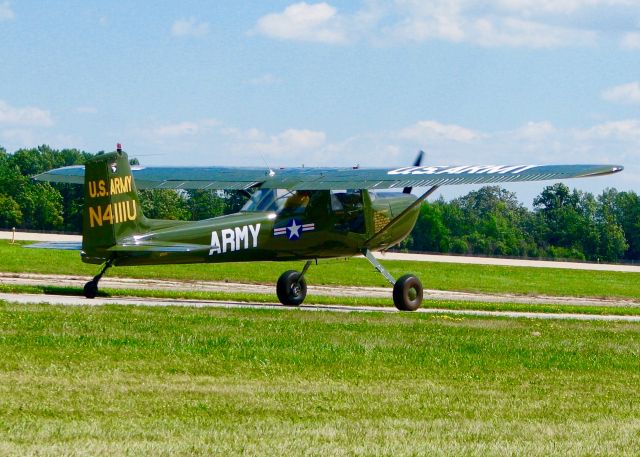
608, 170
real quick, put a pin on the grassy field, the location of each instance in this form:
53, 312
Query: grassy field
176, 381
356, 272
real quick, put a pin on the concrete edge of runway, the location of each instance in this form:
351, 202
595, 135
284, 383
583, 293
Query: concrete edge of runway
66, 300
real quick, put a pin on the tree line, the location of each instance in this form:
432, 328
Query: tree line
35, 205
563, 223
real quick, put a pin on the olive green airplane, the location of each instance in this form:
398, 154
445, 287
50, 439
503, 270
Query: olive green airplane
291, 214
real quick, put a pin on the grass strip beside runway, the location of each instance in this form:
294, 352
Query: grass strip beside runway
353, 272
175, 381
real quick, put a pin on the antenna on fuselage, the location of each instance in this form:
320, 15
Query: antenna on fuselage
270, 172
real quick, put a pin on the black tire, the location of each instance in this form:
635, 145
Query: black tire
291, 289
407, 293
91, 289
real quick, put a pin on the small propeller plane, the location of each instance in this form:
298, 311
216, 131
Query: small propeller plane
292, 214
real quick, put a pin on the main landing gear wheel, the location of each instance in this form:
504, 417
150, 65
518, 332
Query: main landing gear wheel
407, 293
291, 288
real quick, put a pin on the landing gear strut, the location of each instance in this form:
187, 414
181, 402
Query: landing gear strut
91, 288
407, 290
291, 287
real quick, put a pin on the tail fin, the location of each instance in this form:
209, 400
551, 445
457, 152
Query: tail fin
112, 209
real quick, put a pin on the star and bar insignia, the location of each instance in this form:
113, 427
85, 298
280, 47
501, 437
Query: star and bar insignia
293, 230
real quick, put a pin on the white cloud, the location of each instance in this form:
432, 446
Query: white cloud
625, 93
625, 130
252, 134
631, 40
189, 27
318, 22
535, 130
615, 142
564, 7
303, 139
496, 23
212, 142
288, 142
182, 129
19, 137
428, 131
264, 80
28, 116
490, 23
6, 13
514, 32
16, 138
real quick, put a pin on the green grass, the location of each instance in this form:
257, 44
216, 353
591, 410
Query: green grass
354, 272
180, 381
328, 300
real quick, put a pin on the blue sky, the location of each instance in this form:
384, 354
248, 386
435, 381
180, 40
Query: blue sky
329, 83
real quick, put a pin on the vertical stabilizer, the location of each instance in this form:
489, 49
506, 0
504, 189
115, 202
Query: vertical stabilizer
112, 209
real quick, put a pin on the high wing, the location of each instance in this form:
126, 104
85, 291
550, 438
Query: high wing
235, 178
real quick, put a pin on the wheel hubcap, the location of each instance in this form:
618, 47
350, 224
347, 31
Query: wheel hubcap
412, 293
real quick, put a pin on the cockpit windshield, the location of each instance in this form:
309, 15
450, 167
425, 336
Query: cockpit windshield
277, 200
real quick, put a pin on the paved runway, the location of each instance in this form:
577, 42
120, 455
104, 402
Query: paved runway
81, 301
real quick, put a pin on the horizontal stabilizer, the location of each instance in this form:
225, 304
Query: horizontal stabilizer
230, 178
62, 245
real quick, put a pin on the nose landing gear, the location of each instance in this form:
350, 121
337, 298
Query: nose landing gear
407, 290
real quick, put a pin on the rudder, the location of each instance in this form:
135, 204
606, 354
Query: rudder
112, 208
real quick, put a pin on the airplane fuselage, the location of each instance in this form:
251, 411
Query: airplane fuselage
328, 225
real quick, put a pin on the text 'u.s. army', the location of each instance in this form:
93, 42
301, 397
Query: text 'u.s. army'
116, 186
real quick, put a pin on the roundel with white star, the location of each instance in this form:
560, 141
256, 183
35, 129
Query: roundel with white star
294, 229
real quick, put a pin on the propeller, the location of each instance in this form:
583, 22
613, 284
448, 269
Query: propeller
416, 163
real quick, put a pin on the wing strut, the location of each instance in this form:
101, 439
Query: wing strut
379, 267
393, 221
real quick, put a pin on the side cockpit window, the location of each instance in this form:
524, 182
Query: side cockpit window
348, 207
281, 201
